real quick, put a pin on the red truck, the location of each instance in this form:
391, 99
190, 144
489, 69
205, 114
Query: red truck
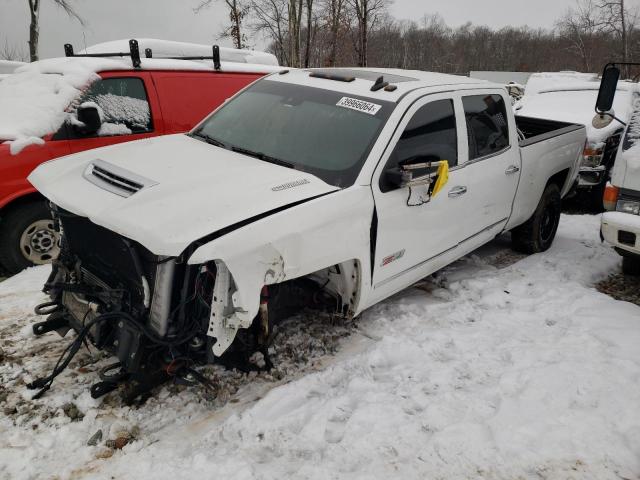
62, 106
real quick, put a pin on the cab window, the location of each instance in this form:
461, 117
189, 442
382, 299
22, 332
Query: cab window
487, 129
429, 136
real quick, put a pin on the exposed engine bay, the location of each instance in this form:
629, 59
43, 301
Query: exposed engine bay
155, 313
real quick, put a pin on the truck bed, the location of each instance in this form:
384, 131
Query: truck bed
537, 130
549, 148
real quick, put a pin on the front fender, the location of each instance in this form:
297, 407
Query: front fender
290, 244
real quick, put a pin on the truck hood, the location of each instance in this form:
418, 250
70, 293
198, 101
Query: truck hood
187, 189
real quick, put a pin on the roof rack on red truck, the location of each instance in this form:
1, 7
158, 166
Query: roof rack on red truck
101, 96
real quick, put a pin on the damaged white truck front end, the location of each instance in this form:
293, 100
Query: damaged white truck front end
323, 190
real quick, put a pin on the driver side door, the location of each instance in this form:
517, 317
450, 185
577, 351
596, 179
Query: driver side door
415, 238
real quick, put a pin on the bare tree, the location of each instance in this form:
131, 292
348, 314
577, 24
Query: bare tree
271, 20
367, 13
11, 52
618, 20
333, 13
238, 11
581, 26
34, 25
281, 21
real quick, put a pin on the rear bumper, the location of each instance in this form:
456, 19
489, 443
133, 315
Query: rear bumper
622, 230
591, 176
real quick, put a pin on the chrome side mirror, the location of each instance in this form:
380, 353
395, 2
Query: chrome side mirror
406, 175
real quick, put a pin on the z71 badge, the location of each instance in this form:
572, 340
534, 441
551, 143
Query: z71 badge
392, 258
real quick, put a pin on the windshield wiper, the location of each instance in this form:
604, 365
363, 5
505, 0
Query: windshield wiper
208, 139
262, 156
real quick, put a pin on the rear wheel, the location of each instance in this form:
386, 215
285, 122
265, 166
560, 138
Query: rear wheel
537, 234
28, 237
631, 265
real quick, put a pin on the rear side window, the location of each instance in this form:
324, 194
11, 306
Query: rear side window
487, 128
124, 105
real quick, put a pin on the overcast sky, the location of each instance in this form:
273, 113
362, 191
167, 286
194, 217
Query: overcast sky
175, 20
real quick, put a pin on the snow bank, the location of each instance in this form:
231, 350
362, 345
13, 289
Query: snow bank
167, 48
523, 371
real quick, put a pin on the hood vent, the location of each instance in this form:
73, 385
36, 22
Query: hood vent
115, 179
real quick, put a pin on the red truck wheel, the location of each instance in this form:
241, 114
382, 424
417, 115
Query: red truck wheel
27, 237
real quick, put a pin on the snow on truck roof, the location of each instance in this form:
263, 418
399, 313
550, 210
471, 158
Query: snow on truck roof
358, 81
168, 48
33, 100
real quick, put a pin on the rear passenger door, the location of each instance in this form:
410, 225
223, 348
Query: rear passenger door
493, 163
128, 112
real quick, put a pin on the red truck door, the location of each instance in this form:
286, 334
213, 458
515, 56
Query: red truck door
188, 97
131, 111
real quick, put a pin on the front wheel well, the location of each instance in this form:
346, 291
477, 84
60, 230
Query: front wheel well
343, 280
21, 201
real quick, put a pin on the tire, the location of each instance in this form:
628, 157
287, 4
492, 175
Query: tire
631, 265
27, 237
536, 234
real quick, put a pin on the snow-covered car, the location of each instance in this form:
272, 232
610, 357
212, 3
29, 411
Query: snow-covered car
569, 97
60, 106
326, 189
620, 225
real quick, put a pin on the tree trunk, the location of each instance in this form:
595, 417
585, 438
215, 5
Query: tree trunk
625, 48
294, 33
307, 48
34, 29
336, 7
236, 18
364, 35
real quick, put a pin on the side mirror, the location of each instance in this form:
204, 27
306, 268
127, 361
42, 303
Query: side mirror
89, 115
602, 120
608, 85
407, 174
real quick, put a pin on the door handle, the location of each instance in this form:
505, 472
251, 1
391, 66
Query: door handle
511, 169
457, 191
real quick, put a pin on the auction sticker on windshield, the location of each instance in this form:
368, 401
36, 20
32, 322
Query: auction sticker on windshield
359, 105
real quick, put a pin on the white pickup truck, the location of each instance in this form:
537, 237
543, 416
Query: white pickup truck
325, 188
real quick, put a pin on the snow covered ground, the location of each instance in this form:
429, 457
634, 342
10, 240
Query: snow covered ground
499, 367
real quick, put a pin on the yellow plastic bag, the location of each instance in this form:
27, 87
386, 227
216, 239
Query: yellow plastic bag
443, 177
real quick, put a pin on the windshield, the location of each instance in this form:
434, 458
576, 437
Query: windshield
323, 132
